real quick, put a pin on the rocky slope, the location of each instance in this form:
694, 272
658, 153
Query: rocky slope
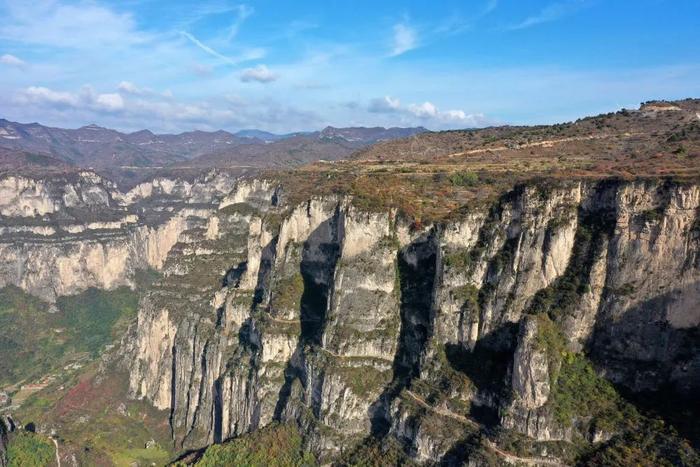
449, 338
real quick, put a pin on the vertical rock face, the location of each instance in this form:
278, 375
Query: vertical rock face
530, 381
352, 325
60, 235
650, 311
532, 377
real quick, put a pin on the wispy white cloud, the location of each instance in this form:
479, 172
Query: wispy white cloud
109, 101
404, 39
79, 25
242, 13
160, 112
458, 23
549, 13
427, 113
259, 73
41, 95
87, 98
11, 60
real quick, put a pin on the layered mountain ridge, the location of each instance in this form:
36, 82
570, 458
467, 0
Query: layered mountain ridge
98, 147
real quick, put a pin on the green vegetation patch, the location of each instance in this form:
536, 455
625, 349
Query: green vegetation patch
652, 444
29, 449
274, 446
581, 397
91, 317
579, 391
464, 178
365, 379
458, 259
287, 292
376, 453
651, 216
552, 342
35, 342
243, 209
467, 294
97, 423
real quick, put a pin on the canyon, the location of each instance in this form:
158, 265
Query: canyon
550, 318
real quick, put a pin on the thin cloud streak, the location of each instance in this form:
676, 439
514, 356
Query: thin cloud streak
242, 13
206, 48
252, 54
549, 13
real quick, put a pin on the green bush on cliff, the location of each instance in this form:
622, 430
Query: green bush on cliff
466, 293
580, 392
552, 343
464, 178
374, 453
650, 444
458, 259
273, 446
580, 396
288, 291
577, 391
28, 449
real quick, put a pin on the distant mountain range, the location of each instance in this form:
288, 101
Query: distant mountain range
98, 147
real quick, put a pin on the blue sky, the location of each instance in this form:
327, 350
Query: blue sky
292, 65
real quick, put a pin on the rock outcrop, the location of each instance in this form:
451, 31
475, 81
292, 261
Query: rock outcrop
355, 325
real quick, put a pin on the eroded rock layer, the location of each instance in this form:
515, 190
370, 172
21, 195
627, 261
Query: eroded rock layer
62, 234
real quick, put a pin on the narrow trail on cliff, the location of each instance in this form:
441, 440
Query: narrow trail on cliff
335, 355
544, 143
443, 412
512, 458
509, 457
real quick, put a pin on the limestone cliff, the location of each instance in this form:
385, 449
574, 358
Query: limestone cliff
354, 324
62, 234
